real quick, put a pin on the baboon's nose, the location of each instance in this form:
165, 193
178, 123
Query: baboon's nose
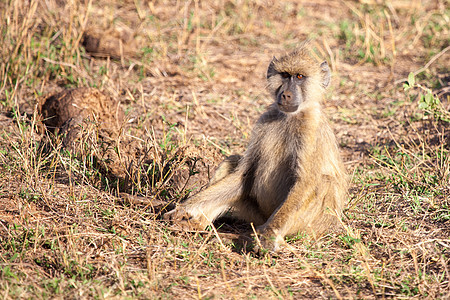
286, 97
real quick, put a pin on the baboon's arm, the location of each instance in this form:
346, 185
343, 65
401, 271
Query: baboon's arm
294, 214
210, 203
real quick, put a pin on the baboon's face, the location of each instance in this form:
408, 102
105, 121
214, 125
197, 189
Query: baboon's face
289, 94
296, 78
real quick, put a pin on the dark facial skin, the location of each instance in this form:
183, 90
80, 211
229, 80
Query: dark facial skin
289, 94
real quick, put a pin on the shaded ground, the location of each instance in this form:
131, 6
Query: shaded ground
190, 78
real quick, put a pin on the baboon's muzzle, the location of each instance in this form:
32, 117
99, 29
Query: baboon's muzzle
287, 101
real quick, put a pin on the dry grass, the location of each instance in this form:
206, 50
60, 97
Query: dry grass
190, 75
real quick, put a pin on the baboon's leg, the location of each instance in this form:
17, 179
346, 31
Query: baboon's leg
227, 167
247, 209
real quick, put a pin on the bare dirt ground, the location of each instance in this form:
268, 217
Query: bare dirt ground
175, 87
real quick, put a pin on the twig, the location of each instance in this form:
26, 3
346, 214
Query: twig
61, 63
432, 60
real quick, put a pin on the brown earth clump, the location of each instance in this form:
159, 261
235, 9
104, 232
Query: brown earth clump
88, 121
67, 110
111, 43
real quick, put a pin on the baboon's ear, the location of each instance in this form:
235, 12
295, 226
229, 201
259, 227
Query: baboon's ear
326, 74
271, 70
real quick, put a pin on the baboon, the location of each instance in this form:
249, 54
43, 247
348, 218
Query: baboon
291, 178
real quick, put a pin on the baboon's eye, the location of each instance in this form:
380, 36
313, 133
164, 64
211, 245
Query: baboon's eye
285, 75
299, 76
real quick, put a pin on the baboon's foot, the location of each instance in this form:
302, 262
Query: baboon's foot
183, 220
268, 241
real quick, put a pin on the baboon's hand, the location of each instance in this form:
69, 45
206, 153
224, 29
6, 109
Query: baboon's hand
183, 219
268, 240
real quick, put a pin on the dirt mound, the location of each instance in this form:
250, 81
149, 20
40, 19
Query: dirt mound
67, 111
89, 122
113, 43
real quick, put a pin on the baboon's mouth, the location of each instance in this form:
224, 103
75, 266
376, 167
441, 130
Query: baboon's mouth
288, 108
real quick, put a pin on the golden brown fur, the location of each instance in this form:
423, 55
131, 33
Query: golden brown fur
291, 177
